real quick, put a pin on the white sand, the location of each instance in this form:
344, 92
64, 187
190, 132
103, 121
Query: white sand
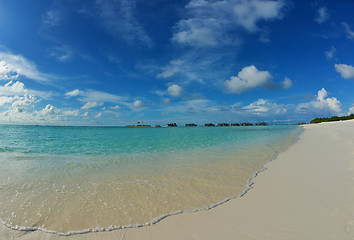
306, 193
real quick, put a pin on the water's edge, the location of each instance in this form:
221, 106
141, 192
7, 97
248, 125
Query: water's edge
156, 220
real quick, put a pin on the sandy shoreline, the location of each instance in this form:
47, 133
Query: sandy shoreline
306, 193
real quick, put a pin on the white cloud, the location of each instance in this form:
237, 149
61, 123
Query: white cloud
10, 89
98, 115
74, 112
99, 96
171, 69
286, 83
350, 33
74, 93
166, 100
249, 12
85, 114
262, 106
330, 53
321, 105
247, 79
48, 110
23, 102
351, 110
210, 23
5, 100
116, 107
92, 96
89, 105
168, 71
19, 105
189, 33
138, 103
322, 15
18, 88
193, 66
189, 106
346, 71
7, 71
62, 53
175, 90
119, 18
23, 66
52, 18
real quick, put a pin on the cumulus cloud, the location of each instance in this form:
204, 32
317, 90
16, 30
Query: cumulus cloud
286, 83
330, 53
98, 115
322, 15
19, 105
262, 106
7, 71
350, 33
139, 103
11, 88
89, 105
23, 102
5, 99
48, 110
175, 90
351, 110
210, 23
346, 71
16, 97
18, 88
74, 93
22, 66
321, 105
248, 79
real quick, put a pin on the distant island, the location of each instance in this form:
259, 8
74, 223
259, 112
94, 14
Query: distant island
139, 125
332, 119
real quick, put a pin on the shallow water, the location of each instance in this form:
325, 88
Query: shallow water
74, 178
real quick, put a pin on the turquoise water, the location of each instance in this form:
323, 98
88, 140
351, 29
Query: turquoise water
122, 140
74, 178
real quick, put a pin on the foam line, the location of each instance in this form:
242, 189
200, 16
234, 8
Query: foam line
249, 186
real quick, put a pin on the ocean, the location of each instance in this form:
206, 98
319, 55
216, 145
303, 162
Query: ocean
68, 180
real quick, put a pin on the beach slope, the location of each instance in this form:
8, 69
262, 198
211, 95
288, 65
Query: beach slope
306, 193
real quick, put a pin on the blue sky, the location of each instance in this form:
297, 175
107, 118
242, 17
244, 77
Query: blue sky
116, 62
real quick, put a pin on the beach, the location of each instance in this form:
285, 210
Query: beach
307, 192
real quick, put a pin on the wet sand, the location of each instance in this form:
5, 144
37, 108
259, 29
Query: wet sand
306, 193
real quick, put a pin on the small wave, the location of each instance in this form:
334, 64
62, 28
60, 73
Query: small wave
249, 186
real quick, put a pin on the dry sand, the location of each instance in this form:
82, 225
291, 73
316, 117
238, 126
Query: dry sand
306, 193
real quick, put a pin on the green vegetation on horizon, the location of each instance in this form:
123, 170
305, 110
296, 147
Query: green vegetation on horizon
332, 119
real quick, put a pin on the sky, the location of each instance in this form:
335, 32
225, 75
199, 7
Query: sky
119, 62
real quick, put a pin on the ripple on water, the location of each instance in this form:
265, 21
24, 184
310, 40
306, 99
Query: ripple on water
72, 192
